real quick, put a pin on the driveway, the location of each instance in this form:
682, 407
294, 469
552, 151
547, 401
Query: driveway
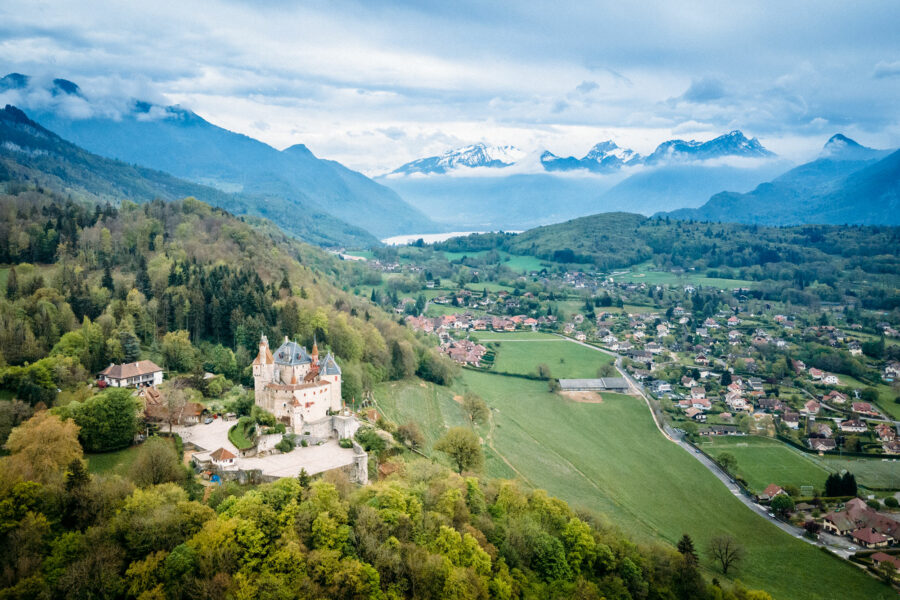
315, 459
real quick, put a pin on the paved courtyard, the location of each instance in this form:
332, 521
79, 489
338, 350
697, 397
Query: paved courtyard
315, 459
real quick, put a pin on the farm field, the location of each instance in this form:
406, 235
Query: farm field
611, 459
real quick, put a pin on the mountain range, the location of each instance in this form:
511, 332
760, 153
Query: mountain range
604, 157
181, 143
484, 187
30, 154
847, 183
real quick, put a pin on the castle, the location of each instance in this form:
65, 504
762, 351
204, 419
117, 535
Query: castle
298, 387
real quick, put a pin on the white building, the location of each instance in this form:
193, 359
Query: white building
142, 373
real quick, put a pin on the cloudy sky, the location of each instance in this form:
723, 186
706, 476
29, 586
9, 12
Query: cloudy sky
375, 84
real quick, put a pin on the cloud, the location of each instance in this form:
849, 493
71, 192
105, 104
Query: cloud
705, 89
585, 87
887, 69
323, 73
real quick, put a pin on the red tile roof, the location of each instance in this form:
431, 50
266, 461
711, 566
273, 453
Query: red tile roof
222, 454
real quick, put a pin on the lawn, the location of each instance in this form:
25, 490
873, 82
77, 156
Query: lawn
564, 358
109, 463
504, 336
237, 435
610, 458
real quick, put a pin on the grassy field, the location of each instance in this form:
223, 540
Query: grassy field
610, 458
503, 336
646, 274
762, 461
435, 409
108, 463
521, 264
565, 359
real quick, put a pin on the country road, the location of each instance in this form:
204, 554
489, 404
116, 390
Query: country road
839, 546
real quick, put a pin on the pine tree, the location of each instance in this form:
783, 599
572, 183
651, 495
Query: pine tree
12, 285
686, 548
142, 279
107, 280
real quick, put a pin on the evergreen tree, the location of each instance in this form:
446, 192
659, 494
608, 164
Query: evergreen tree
107, 280
12, 284
142, 279
686, 548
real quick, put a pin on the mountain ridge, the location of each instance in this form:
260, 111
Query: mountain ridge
31, 152
176, 140
848, 183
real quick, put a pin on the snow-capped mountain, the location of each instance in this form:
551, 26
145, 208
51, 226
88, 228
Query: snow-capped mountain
476, 155
734, 143
604, 157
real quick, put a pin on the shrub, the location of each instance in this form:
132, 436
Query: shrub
891, 502
345, 443
285, 445
304, 443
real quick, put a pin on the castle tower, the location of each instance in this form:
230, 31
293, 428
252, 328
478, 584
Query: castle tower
263, 366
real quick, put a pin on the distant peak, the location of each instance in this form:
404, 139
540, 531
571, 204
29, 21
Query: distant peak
840, 147
840, 138
64, 86
14, 81
14, 114
298, 150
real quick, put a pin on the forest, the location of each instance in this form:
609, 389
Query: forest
182, 283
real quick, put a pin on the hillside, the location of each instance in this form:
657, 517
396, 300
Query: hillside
847, 184
31, 153
291, 182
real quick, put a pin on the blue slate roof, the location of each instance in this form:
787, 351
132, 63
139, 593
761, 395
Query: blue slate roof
291, 354
328, 366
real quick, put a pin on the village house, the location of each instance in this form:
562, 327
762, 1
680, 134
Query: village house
835, 397
869, 538
885, 432
142, 373
864, 408
811, 408
222, 458
857, 516
698, 393
831, 379
853, 426
880, 557
816, 374
770, 492
821, 444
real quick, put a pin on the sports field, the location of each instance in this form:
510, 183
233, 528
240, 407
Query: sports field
761, 461
610, 458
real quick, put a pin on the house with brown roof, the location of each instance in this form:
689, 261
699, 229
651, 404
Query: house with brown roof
770, 492
857, 517
821, 444
880, 557
156, 409
867, 537
222, 458
137, 374
864, 408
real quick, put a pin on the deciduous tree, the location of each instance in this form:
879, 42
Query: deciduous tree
463, 447
726, 551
